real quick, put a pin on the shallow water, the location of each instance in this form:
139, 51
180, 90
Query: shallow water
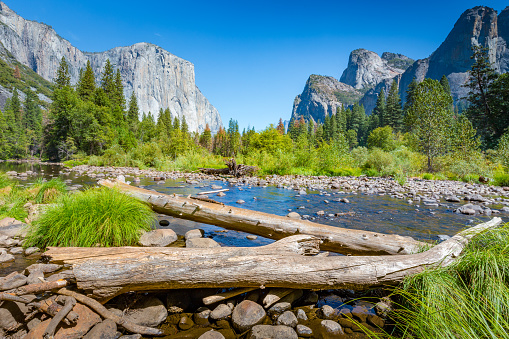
371, 212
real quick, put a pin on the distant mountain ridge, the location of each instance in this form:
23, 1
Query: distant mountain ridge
368, 72
158, 78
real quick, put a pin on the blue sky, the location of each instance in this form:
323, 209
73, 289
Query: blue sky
253, 57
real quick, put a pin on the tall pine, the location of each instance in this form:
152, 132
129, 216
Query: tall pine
393, 111
86, 83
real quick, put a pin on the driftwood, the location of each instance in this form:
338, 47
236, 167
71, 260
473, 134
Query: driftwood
106, 272
226, 295
334, 239
106, 314
213, 192
41, 287
49, 333
237, 170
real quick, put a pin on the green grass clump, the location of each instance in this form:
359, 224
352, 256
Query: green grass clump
501, 179
49, 191
96, 216
468, 299
4, 181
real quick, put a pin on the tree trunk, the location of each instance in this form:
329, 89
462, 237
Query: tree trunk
107, 272
334, 239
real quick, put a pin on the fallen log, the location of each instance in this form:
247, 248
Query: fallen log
107, 272
334, 239
237, 170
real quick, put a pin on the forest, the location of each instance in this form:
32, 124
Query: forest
427, 135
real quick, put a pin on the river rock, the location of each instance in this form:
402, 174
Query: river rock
211, 335
201, 243
149, 311
287, 319
6, 257
87, 319
44, 268
327, 312
13, 280
332, 327
216, 187
158, 238
185, 323
10, 315
201, 316
222, 311
31, 250
304, 331
196, 233
246, 315
293, 215
272, 332
35, 277
16, 250
279, 307
303, 192
12, 227
178, 301
452, 198
251, 237
221, 194
361, 313
6, 241
104, 330
301, 315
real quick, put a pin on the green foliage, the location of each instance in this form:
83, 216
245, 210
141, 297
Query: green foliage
501, 179
432, 119
97, 216
468, 299
382, 138
49, 191
393, 112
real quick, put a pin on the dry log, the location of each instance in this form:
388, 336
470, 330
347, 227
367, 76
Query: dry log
212, 192
49, 333
334, 239
237, 170
106, 272
38, 288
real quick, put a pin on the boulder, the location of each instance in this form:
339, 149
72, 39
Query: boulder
332, 327
104, 330
44, 268
148, 311
201, 243
293, 215
246, 315
222, 311
13, 280
196, 233
287, 319
158, 238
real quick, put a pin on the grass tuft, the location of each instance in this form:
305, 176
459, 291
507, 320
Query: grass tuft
49, 191
96, 216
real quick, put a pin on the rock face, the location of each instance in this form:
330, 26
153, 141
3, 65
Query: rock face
367, 69
158, 78
476, 26
322, 95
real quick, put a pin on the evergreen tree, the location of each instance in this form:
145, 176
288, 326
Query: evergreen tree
32, 123
409, 119
379, 111
445, 84
4, 145
133, 113
63, 78
86, 83
393, 111
432, 119
206, 138
185, 128
176, 123
464, 142
281, 126
233, 138
108, 81
481, 77
119, 98
341, 118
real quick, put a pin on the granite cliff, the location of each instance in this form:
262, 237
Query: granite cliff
158, 78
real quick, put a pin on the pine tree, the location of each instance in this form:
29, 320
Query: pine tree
32, 122
86, 83
432, 119
184, 127
409, 119
133, 113
63, 78
393, 111
445, 84
281, 126
119, 98
17, 73
379, 111
176, 123
4, 145
233, 138
481, 77
108, 81
206, 138
341, 117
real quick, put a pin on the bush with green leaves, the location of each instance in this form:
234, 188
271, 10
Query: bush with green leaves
383, 138
96, 216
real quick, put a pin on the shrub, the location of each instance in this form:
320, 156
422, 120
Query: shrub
147, 153
379, 160
382, 138
501, 179
97, 216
